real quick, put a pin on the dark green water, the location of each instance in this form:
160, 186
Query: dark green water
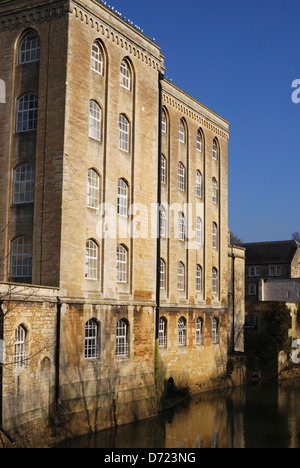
266, 415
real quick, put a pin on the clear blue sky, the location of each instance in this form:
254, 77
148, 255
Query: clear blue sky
239, 58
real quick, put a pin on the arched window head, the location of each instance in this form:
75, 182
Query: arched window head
93, 189
27, 109
162, 274
21, 259
20, 347
122, 267
215, 150
181, 279
29, 50
122, 338
181, 176
91, 339
182, 331
95, 121
122, 205
23, 187
97, 58
182, 131
162, 332
124, 133
91, 260
199, 141
125, 75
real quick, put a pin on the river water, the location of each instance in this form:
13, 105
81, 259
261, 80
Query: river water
266, 415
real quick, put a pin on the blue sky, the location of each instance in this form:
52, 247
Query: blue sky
239, 58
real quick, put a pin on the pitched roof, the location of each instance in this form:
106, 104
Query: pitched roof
278, 252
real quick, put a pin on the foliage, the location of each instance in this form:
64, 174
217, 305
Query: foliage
263, 348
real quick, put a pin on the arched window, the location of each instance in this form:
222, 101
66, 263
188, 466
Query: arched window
214, 236
214, 281
125, 75
122, 338
95, 121
199, 141
181, 226
162, 274
91, 260
29, 50
198, 278
124, 133
215, 191
182, 132
163, 222
163, 169
199, 230
215, 150
182, 331
122, 264
97, 61
23, 187
91, 339
181, 279
20, 347
199, 331
21, 258
215, 331
181, 176
122, 205
198, 184
93, 189
27, 109
163, 121
162, 332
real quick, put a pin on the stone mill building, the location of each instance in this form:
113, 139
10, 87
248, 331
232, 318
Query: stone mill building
100, 153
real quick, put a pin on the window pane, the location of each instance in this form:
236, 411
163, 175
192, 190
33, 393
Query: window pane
91, 340
122, 339
29, 49
121, 264
97, 59
122, 205
199, 141
20, 347
123, 133
93, 189
23, 188
162, 333
95, 121
27, 108
91, 260
181, 176
21, 258
125, 75
181, 332
180, 276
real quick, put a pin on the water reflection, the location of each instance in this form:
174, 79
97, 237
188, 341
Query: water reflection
263, 416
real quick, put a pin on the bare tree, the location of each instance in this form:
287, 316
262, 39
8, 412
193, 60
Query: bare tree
296, 236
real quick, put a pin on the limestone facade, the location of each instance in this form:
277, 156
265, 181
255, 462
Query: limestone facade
88, 118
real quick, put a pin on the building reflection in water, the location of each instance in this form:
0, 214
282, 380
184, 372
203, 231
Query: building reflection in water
265, 415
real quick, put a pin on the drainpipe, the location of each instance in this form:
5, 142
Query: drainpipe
160, 77
57, 351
